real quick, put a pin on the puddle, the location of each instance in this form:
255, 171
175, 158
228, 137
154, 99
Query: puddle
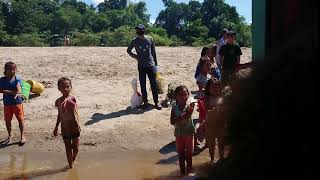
133, 165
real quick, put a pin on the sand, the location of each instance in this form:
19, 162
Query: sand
101, 81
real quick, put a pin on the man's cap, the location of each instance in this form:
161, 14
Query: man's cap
231, 33
224, 30
140, 26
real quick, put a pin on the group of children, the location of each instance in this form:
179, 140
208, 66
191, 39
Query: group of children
210, 76
10, 86
215, 67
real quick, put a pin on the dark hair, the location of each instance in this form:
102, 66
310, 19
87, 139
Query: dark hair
204, 51
180, 88
203, 60
63, 79
7, 65
214, 47
212, 81
224, 31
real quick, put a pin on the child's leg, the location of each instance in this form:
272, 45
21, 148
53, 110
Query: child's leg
212, 145
189, 150
8, 125
75, 148
181, 153
21, 127
8, 114
19, 113
67, 143
221, 147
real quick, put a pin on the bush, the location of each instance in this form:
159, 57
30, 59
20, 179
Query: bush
4, 37
161, 41
176, 41
84, 39
31, 40
158, 30
196, 42
121, 36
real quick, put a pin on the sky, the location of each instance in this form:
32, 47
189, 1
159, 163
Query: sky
155, 6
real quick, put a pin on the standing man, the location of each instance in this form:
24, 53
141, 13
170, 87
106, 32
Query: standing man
147, 64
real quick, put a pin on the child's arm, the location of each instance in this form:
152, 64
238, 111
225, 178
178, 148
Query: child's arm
184, 115
238, 60
239, 53
207, 104
55, 131
172, 117
200, 85
4, 91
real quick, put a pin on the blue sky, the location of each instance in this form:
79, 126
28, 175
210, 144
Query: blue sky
155, 6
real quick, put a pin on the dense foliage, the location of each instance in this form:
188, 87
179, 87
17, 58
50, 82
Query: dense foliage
47, 22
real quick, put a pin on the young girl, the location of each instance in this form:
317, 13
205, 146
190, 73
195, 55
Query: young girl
10, 86
215, 122
204, 75
69, 118
204, 52
184, 129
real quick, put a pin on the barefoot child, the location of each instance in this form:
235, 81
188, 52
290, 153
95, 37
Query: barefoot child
202, 80
184, 129
69, 118
10, 86
215, 121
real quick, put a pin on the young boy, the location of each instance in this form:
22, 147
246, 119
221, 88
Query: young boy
230, 57
10, 86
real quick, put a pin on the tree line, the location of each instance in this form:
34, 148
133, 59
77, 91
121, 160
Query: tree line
110, 23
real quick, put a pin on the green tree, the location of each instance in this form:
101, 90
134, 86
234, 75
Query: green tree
112, 5
26, 16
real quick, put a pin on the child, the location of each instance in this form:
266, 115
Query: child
230, 56
69, 118
215, 121
204, 52
214, 70
204, 75
222, 41
10, 86
184, 128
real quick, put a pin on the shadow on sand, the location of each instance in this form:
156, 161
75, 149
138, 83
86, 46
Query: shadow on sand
96, 117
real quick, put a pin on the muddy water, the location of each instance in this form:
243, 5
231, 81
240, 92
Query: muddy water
118, 165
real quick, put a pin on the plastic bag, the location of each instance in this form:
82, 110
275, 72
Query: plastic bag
136, 99
171, 88
160, 82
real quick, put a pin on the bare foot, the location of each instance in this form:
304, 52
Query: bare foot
23, 140
9, 139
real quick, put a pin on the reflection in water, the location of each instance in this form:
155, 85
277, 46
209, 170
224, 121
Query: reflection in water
117, 165
73, 174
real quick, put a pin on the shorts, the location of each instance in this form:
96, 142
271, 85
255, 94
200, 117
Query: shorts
70, 137
10, 110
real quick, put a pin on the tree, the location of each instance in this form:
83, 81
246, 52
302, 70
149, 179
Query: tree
141, 10
174, 19
168, 3
27, 16
112, 5
196, 22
